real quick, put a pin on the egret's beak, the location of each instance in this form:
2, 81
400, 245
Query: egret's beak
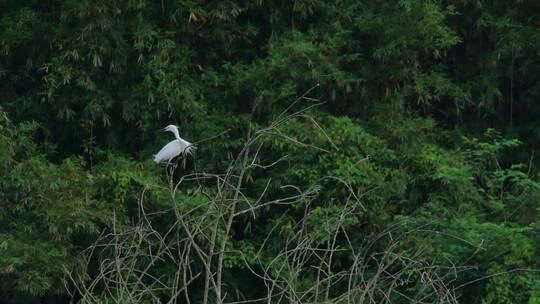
162, 130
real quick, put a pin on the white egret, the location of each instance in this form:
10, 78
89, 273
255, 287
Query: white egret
175, 147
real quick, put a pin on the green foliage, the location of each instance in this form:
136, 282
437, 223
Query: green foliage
430, 116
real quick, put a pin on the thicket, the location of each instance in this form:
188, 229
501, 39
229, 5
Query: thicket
409, 156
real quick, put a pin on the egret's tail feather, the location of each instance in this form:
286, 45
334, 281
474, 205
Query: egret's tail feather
190, 150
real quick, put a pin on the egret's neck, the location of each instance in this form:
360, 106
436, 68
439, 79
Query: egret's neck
176, 134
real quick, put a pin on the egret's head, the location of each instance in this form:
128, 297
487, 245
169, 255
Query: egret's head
170, 128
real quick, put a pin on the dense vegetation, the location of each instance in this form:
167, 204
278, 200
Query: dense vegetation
442, 96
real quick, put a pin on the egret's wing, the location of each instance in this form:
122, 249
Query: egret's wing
168, 152
173, 149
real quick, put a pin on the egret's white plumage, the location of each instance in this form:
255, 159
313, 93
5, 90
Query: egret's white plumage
174, 148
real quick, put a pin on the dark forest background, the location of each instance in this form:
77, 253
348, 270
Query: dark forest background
442, 95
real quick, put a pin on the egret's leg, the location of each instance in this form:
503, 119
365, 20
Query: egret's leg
167, 172
174, 166
172, 169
